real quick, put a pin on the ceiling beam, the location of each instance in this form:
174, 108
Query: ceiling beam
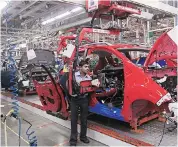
12, 36
154, 4
17, 29
157, 5
75, 2
144, 15
46, 13
71, 21
39, 7
66, 26
20, 11
11, 5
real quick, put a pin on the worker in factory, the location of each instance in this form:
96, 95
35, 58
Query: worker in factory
80, 102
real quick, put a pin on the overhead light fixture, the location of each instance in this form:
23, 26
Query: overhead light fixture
36, 37
76, 9
3, 3
23, 45
62, 15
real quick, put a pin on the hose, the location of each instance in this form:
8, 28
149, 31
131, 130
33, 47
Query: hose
14, 88
32, 139
93, 18
13, 84
162, 133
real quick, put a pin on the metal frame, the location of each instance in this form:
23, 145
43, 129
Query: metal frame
19, 35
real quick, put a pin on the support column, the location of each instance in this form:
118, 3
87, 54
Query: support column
147, 31
121, 33
176, 16
176, 20
137, 36
16, 53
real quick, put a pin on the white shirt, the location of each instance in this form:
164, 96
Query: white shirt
80, 78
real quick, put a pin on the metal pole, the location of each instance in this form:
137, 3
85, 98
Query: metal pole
176, 16
176, 20
147, 30
157, 30
137, 35
121, 33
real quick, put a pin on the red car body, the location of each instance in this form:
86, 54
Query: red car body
143, 98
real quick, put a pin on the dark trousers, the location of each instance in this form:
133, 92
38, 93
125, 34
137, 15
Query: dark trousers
76, 104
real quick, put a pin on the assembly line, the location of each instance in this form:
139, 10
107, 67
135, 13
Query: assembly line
104, 79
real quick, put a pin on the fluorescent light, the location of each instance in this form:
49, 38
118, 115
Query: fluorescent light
54, 18
48, 21
76, 9
2, 4
37, 37
17, 47
62, 15
22, 45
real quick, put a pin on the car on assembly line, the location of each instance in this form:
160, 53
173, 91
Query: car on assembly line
160, 62
125, 93
163, 71
28, 70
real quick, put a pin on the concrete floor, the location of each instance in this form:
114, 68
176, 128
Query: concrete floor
48, 132
152, 134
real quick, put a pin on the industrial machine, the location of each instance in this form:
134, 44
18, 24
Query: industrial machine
125, 93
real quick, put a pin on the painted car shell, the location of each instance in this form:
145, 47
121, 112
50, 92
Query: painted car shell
138, 85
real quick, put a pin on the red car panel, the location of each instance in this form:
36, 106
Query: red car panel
164, 48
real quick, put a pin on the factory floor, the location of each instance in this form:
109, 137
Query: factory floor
48, 132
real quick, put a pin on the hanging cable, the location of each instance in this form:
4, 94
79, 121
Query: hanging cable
14, 91
19, 130
13, 84
13, 70
5, 133
163, 132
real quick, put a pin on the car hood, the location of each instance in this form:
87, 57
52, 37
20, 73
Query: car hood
165, 47
43, 57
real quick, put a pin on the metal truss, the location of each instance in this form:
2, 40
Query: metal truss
30, 14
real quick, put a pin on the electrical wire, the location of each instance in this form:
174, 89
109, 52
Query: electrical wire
19, 130
5, 132
163, 132
175, 123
